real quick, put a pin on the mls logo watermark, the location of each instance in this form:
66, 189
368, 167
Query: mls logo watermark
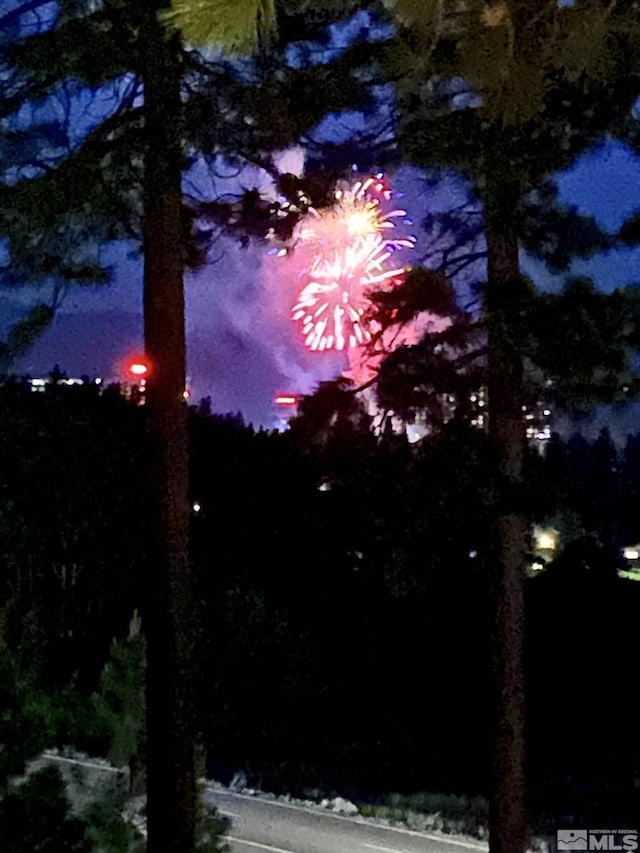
597, 839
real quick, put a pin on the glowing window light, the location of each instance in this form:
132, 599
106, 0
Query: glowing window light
546, 541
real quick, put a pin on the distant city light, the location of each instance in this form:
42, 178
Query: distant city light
631, 554
285, 399
39, 384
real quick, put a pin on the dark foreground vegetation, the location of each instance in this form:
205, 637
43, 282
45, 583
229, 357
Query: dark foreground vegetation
345, 642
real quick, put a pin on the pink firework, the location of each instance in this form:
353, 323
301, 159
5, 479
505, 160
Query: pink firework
351, 248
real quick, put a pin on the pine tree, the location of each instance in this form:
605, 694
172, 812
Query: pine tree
508, 95
117, 46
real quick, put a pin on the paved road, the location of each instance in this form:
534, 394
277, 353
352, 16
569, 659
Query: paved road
267, 826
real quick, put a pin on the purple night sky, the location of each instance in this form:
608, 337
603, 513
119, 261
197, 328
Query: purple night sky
242, 346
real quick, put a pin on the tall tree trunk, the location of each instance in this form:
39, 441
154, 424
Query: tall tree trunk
172, 806
508, 825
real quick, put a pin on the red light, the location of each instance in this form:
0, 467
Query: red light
285, 399
137, 367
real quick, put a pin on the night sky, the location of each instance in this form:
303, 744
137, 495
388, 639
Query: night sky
242, 347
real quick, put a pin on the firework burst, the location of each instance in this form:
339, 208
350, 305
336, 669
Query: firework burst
351, 247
